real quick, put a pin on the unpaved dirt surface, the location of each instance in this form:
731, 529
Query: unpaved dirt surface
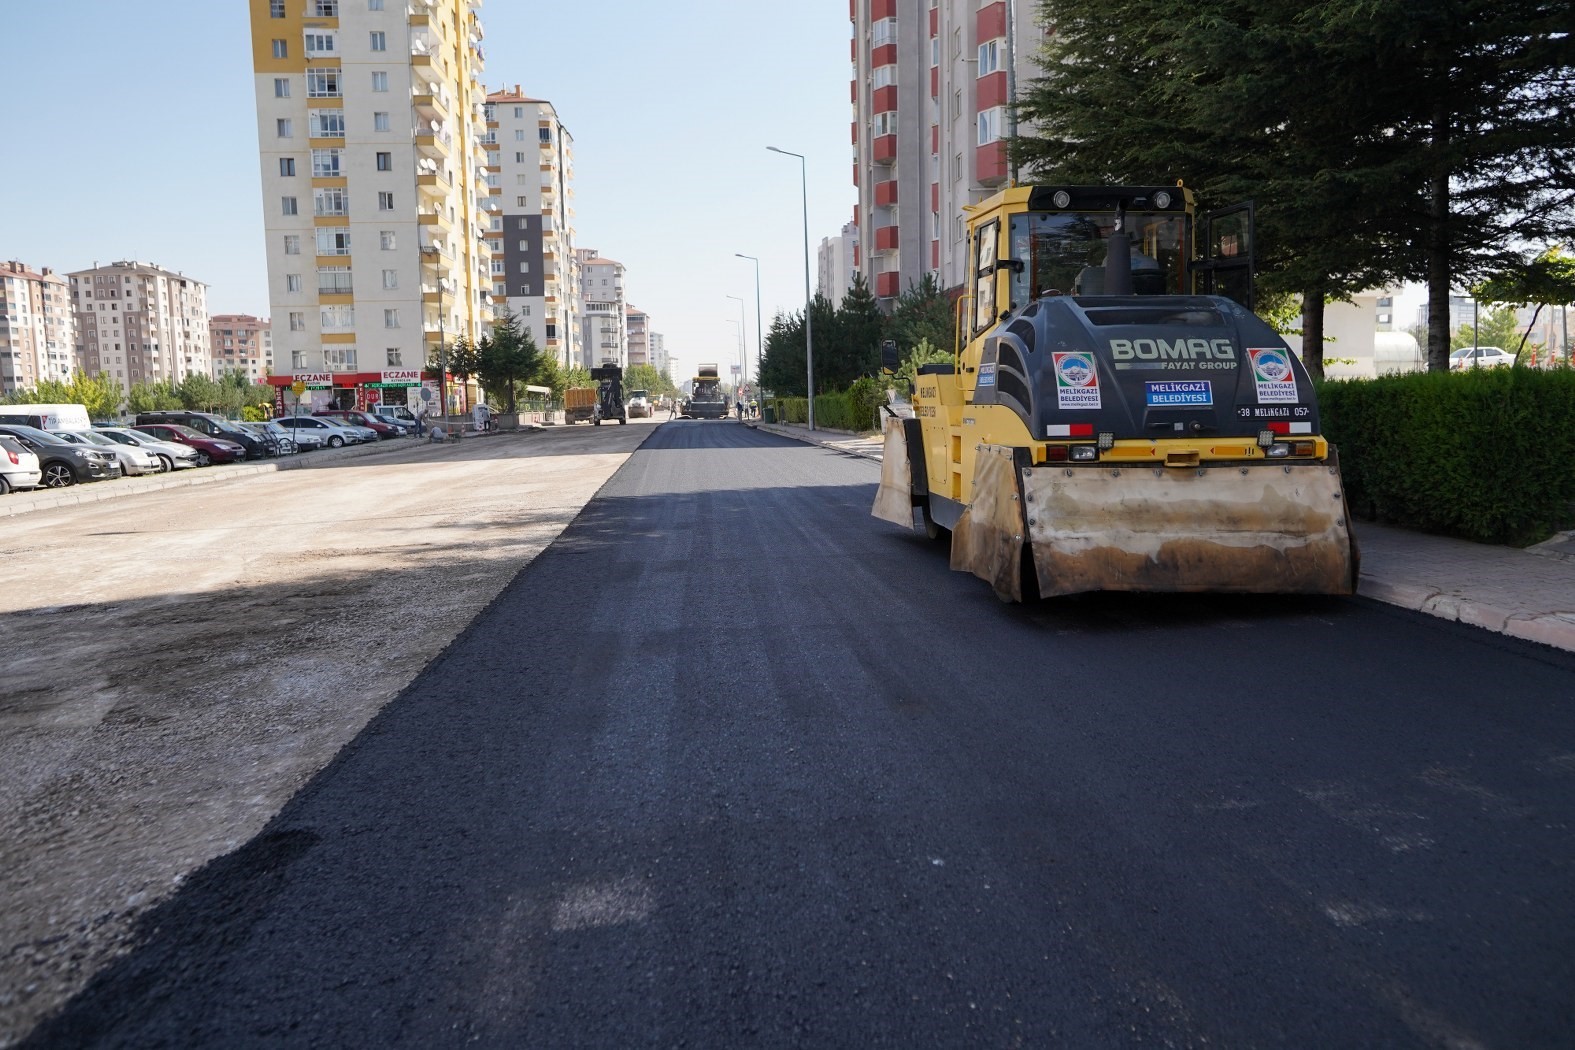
175, 664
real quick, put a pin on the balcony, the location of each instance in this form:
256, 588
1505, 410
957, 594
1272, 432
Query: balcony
886, 193
884, 149
429, 101
885, 240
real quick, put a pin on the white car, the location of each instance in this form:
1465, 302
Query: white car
1480, 357
134, 460
19, 469
173, 456
336, 433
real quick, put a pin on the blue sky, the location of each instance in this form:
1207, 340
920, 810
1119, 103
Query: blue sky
136, 137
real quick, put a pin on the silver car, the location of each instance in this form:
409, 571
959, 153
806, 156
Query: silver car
173, 456
335, 433
19, 470
134, 461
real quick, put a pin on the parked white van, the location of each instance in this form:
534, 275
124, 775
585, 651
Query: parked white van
47, 417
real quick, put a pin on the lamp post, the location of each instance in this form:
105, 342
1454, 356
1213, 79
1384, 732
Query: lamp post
760, 333
809, 343
743, 344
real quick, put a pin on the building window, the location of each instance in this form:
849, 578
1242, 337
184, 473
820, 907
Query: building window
292, 244
319, 44
884, 123
323, 83
380, 122
386, 239
885, 32
325, 163
989, 57
545, 135
385, 162
281, 87
525, 246
390, 318
498, 266
500, 289
520, 202
326, 8
393, 357
333, 200
379, 81
379, 40
519, 158
287, 205
989, 125
292, 282
275, 8
519, 134
281, 49
333, 240
338, 317
374, 5
287, 166
339, 358
297, 321
390, 278
334, 280
327, 124
283, 128
385, 201
885, 76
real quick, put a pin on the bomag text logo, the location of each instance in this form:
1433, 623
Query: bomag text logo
1173, 349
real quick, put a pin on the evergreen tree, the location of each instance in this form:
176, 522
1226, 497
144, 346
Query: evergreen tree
782, 359
507, 357
852, 347
922, 314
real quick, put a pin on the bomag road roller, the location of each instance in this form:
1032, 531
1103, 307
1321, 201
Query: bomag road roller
1107, 422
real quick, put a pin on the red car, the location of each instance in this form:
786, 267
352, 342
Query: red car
384, 428
209, 449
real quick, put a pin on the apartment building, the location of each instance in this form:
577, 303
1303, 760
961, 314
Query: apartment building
604, 336
37, 327
834, 263
370, 129
637, 325
659, 359
932, 83
138, 322
241, 343
530, 174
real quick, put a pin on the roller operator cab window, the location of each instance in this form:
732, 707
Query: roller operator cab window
1065, 251
984, 277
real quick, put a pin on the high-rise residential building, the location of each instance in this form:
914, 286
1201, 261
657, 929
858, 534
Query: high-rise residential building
241, 343
637, 325
37, 327
604, 337
137, 322
370, 129
659, 358
931, 112
530, 173
835, 264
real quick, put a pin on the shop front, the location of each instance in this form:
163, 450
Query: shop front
320, 391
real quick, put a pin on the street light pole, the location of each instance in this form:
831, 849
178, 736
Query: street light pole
809, 342
437, 266
760, 333
743, 344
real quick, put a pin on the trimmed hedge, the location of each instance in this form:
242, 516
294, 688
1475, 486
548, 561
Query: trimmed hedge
854, 409
1484, 454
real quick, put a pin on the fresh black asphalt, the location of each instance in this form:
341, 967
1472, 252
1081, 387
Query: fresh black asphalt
733, 764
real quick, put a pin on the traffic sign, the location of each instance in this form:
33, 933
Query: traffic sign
298, 388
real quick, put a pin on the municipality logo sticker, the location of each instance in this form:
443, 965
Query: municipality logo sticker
1272, 375
1076, 381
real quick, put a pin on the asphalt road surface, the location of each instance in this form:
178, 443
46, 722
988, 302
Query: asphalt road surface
733, 764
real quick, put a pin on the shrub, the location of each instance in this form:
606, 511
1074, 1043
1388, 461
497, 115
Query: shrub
1484, 454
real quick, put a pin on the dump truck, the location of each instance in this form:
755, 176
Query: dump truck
609, 394
1115, 417
707, 401
579, 404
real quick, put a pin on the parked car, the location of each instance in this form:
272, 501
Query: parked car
396, 414
19, 469
214, 427
134, 461
61, 462
383, 428
209, 449
305, 439
336, 432
174, 456
1480, 357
